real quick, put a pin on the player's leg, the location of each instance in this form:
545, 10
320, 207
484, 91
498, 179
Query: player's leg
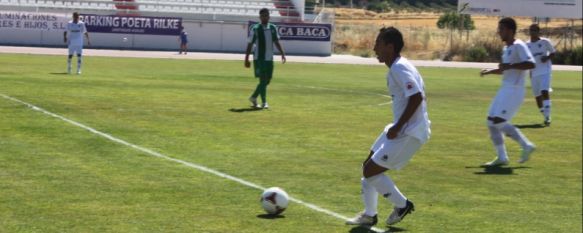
257, 69
503, 108
79, 60
497, 110
546, 98
69, 58
369, 192
266, 79
535, 84
393, 154
515, 134
539, 102
370, 200
498, 141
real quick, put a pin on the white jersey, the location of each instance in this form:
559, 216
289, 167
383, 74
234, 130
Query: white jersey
75, 32
403, 81
540, 48
515, 53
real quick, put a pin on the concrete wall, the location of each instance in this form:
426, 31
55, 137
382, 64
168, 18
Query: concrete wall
203, 36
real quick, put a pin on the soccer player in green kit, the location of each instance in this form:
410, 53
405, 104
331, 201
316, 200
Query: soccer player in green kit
264, 36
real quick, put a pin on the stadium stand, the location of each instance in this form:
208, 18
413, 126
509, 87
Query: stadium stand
214, 10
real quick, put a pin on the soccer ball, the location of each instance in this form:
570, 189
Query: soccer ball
274, 200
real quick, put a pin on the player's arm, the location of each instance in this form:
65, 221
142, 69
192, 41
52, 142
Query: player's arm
551, 51
490, 71
412, 104
247, 52
87, 36
250, 42
65, 37
526, 65
547, 58
280, 48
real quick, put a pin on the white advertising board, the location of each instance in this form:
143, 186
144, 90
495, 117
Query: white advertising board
33, 21
568, 9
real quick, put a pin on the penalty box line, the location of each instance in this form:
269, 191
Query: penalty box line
185, 163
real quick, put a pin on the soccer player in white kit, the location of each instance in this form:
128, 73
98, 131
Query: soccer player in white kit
74, 40
399, 141
516, 61
540, 77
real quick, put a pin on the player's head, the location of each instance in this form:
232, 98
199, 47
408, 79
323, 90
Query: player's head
264, 15
75, 16
507, 28
534, 30
388, 44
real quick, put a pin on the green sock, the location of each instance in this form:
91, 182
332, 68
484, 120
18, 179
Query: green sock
263, 90
257, 91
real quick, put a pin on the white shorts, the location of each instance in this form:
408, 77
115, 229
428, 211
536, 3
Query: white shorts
540, 83
394, 154
507, 102
75, 49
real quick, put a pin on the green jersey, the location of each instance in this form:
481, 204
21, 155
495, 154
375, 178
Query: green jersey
263, 37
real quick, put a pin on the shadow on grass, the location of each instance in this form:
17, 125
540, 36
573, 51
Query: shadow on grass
270, 216
62, 73
498, 170
364, 229
530, 126
249, 109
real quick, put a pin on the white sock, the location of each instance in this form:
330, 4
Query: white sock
546, 108
370, 198
501, 150
498, 141
515, 134
386, 187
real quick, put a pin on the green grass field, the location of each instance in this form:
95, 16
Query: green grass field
56, 177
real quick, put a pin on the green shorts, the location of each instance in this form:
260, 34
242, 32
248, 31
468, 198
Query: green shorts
263, 68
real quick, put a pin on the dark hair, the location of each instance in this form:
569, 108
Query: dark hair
535, 27
508, 23
263, 11
393, 36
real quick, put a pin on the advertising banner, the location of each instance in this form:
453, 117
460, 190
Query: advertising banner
301, 31
132, 24
33, 21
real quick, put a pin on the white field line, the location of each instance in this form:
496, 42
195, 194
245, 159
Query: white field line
188, 164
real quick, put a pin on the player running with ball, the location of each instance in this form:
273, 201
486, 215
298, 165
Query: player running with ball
397, 144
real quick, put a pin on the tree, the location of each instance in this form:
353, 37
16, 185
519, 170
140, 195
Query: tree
455, 22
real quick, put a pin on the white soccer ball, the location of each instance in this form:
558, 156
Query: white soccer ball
274, 200
125, 39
